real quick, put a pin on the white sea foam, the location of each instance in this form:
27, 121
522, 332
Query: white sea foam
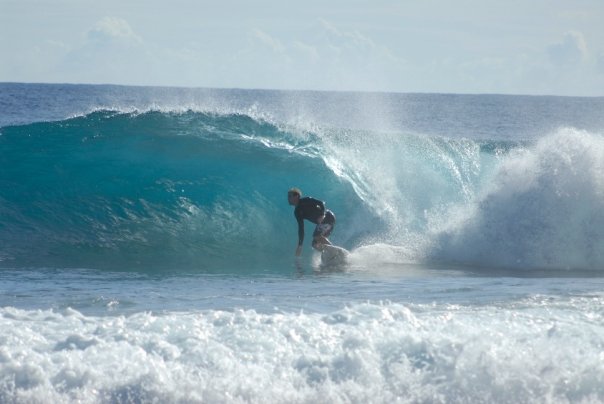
542, 210
537, 350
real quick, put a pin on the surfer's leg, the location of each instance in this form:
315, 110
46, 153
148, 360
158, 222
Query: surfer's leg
320, 236
319, 242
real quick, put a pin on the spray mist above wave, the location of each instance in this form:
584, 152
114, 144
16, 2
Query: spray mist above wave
486, 204
543, 209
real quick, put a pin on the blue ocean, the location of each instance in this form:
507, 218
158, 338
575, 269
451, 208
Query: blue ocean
147, 247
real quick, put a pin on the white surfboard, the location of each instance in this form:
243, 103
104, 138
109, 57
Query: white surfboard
334, 255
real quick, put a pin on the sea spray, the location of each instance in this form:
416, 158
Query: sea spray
541, 210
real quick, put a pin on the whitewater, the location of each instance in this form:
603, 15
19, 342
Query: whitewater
147, 247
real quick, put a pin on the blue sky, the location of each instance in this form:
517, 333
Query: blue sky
465, 46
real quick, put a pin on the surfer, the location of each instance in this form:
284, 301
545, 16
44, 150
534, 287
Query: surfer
314, 211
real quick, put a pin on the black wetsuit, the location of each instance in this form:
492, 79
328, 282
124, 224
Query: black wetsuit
312, 209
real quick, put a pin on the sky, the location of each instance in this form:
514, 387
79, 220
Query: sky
538, 47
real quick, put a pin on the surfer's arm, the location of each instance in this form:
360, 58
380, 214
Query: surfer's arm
300, 230
300, 235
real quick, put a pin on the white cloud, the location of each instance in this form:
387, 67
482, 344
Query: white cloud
320, 56
572, 50
350, 39
353, 47
274, 44
113, 29
111, 53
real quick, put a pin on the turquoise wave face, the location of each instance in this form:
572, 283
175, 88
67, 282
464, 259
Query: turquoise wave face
155, 190
207, 192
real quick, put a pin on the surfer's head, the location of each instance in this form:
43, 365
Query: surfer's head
293, 196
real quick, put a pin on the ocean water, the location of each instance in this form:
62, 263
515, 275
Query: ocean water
147, 247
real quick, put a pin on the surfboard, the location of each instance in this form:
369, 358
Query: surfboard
334, 255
